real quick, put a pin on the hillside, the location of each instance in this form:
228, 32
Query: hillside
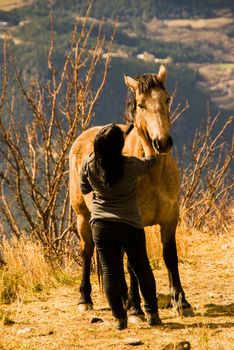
194, 39
131, 9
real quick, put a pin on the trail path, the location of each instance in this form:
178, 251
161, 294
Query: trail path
52, 321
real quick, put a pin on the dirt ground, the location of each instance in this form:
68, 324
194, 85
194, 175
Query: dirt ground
52, 321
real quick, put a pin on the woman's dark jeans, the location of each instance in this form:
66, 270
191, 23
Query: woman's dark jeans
109, 238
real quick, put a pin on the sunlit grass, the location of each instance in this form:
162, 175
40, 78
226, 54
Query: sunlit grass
27, 271
227, 66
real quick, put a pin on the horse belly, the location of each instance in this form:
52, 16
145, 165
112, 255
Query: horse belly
157, 201
158, 211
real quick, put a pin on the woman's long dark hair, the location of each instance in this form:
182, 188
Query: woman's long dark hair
108, 158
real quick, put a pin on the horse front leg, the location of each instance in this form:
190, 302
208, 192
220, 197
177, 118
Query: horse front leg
168, 231
86, 249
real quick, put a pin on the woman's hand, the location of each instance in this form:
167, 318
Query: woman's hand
146, 144
138, 127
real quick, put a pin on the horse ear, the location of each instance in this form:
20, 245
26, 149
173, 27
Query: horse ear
131, 83
162, 73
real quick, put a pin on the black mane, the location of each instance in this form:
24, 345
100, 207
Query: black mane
146, 83
149, 81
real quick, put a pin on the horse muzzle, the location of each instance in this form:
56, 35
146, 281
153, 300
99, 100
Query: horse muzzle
162, 146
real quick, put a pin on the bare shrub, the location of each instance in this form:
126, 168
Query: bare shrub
206, 182
34, 174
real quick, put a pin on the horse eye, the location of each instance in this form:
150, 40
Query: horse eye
141, 106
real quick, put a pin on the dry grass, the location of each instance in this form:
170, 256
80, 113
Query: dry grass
27, 272
51, 321
184, 247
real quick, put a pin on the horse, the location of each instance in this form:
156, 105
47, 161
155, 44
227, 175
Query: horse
157, 191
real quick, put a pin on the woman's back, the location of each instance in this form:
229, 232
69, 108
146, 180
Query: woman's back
116, 202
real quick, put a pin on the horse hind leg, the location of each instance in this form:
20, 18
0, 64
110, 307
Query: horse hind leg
123, 284
86, 248
170, 256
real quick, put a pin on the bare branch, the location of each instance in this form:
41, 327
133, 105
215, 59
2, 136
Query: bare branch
34, 188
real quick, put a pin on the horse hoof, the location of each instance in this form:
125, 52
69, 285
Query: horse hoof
135, 319
84, 307
188, 312
184, 312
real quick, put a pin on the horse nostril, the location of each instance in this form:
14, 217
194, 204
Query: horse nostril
169, 142
163, 145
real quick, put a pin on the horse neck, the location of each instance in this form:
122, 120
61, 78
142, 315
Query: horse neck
133, 146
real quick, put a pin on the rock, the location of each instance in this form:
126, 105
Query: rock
24, 330
183, 345
133, 341
96, 320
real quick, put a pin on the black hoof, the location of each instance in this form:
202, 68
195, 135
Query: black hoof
182, 306
135, 311
154, 319
183, 310
188, 312
121, 323
186, 305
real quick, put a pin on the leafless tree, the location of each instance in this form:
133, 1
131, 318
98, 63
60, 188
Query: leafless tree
34, 198
206, 182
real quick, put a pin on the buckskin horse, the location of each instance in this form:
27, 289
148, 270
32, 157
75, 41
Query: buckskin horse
157, 192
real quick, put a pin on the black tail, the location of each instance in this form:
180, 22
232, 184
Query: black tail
99, 272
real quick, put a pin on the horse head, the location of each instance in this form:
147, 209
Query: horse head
151, 102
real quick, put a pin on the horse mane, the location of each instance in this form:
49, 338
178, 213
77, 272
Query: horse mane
146, 82
130, 107
149, 81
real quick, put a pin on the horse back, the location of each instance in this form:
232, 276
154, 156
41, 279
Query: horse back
81, 148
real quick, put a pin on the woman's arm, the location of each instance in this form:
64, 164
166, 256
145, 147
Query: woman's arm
147, 146
85, 186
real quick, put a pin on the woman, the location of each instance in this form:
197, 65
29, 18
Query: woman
115, 219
